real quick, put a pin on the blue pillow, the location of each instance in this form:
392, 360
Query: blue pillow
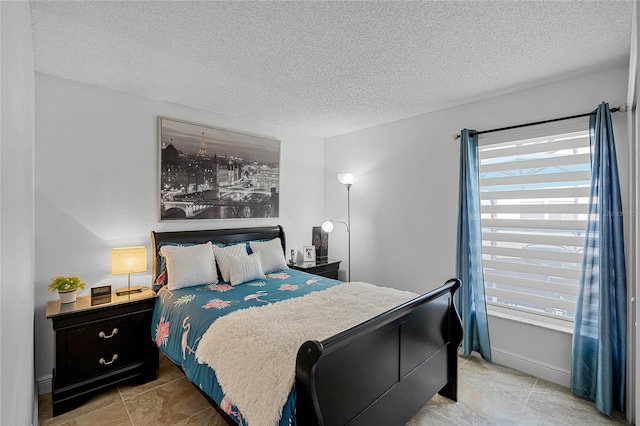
246, 243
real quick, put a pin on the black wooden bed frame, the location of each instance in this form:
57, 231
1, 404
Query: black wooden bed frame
380, 372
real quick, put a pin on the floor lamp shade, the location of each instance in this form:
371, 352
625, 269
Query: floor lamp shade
327, 226
347, 178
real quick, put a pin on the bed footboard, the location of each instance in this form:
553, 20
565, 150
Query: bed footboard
384, 370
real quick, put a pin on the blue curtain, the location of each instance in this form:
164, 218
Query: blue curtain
598, 362
471, 302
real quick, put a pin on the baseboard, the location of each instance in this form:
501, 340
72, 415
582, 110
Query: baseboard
530, 366
36, 406
45, 384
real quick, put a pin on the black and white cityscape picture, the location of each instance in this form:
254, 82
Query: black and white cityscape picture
212, 173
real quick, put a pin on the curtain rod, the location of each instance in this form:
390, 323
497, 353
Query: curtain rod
621, 108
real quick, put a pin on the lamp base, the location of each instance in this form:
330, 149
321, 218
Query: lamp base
125, 291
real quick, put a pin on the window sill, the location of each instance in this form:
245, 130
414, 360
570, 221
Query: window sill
521, 317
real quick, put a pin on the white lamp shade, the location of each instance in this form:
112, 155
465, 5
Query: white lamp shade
347, 178
128, 260
327, 226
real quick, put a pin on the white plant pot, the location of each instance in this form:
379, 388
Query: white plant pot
68, 296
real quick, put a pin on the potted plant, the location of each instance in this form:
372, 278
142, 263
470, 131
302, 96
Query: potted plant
67, 287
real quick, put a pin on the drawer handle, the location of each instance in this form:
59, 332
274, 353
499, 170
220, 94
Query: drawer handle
104, 336
104, 362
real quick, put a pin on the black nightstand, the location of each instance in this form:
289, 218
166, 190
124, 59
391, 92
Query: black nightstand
100, 346
328, 269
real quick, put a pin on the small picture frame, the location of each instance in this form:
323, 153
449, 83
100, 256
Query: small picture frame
309, 254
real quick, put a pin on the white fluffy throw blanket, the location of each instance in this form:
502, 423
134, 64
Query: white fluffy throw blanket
253, 350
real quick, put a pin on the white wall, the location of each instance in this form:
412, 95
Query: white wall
96, 186
16, 216
404, 207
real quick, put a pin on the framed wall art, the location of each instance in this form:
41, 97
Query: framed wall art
212, 173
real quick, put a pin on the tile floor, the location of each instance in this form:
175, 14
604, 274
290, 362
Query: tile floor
488, 394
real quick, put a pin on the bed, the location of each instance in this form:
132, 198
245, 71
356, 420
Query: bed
380, 370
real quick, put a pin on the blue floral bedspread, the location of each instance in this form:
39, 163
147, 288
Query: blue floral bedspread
181, 317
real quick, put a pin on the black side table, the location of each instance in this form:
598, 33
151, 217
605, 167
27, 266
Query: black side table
97, 346
328, 269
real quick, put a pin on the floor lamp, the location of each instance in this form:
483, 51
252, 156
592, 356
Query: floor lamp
347, 179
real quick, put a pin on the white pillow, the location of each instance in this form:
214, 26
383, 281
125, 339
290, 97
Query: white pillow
224, 254
271, 254
246, 268
189, 265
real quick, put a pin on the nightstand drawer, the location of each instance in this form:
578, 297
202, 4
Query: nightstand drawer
328, 269
107, 333
86, 365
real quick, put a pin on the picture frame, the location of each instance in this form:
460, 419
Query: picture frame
207, 172
309, 253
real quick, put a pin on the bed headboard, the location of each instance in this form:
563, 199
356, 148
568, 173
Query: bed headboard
236, 235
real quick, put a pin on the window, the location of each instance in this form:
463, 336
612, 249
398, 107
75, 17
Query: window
534, 203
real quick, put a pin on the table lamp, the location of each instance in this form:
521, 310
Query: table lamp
128, 260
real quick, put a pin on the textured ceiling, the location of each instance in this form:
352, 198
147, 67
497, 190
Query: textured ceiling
327, 68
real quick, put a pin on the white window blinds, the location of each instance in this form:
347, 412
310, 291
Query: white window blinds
534, 204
